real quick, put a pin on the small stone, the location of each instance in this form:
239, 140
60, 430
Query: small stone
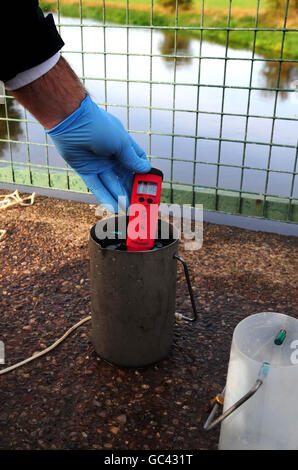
121, 419
96, 403
108, 445
3, 417
96, 446
114, 429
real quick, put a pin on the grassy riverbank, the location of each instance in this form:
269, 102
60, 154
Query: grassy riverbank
268, 43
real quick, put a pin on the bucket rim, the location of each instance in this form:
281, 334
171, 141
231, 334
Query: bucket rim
174, 241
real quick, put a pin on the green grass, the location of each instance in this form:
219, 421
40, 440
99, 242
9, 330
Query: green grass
235, 3
267, 43
198, 3
238, 4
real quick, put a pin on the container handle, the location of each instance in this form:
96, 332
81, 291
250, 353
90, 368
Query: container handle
211, 424
179, 316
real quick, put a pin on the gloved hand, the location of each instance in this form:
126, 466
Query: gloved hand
96, 145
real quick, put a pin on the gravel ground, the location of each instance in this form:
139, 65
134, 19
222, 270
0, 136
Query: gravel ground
72, 399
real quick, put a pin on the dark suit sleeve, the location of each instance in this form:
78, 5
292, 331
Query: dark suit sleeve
27, 37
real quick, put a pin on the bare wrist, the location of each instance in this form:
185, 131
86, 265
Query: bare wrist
54, 96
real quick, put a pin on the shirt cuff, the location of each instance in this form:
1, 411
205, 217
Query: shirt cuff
28, 76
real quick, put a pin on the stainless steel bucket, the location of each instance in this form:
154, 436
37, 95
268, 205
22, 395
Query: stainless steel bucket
133, 296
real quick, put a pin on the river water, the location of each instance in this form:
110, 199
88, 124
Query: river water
138, 41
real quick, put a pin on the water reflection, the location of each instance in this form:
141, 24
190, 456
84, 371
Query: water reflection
288, 73
269, 72
183, 48
14, 127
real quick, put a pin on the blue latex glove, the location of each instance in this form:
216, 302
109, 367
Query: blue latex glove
96, 145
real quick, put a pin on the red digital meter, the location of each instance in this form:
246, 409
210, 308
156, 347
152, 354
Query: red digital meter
143, 210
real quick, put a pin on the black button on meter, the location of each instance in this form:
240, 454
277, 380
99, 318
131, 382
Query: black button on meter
149, 200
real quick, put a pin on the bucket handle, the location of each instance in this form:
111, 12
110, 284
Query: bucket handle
211, 424
179, 316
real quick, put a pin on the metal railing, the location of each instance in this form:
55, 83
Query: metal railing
216, 195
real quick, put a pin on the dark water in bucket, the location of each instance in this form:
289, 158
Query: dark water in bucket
121, 246
115, 239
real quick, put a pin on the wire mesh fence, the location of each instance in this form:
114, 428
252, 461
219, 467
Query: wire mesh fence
209, 92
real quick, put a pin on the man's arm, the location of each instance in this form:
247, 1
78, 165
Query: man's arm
93, 142
52, 97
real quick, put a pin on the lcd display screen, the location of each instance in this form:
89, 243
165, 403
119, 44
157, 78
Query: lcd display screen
145, 187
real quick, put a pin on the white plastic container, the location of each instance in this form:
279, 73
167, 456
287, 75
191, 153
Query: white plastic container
269, 419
